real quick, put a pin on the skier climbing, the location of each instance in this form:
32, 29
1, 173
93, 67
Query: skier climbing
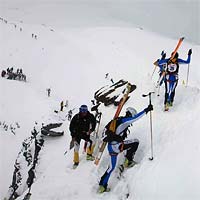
171, 76
117, 143
161, 68
81, 126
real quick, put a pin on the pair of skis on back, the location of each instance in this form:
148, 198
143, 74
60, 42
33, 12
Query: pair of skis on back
113, 124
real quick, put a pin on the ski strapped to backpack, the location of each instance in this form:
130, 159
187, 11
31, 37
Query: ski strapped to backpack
171, 58
96, 132
112, 126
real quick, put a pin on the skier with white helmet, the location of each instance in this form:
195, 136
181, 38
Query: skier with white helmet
117, 143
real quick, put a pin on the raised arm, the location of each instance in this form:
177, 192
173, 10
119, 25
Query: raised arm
181, 61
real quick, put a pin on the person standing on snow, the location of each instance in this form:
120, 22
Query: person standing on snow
61, 105
69, 115
171, 76
49, 92
117, 143
161, 68
81, 126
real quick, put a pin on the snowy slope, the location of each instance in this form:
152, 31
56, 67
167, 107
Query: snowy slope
72, 54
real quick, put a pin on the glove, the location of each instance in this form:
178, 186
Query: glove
190, 52
149, 108
156, 62
163, 56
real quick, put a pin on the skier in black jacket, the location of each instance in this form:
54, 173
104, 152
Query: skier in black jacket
81, 126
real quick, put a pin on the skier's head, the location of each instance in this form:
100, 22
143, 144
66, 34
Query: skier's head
83, 109
176, 55
131, 112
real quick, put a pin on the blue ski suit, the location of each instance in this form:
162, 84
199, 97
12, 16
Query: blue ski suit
171, 76
117, 144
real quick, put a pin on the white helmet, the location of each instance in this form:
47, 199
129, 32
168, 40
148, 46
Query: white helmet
132, 111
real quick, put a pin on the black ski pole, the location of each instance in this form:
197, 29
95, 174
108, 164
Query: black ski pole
145, 95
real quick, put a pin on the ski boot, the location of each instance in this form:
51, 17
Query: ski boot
129, 163
103, 189
166, 108
90, 157
75, 165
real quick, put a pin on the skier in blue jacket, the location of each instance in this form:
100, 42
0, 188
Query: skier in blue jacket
161, 68
117, 143
171, 76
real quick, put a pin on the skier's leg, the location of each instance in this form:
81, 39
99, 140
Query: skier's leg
173, 91
166, 91
90, 148
76, 150
131, 147
104, 179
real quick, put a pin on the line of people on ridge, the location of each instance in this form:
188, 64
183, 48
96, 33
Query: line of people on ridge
83, 124
10, 74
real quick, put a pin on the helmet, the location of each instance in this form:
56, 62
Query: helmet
131, 111
83, 108
176, 54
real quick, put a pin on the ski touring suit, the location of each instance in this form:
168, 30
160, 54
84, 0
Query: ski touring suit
171, 76
117, 144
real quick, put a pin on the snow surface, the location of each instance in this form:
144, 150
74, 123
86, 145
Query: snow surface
77, 43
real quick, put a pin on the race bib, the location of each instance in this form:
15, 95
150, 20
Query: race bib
172, 67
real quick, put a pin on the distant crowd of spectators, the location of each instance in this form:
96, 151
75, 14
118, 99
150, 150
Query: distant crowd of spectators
10, 74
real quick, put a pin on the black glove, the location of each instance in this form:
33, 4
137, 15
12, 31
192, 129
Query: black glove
189, 52
163, 56
149, 108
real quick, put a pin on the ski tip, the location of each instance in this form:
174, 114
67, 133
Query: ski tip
182, 38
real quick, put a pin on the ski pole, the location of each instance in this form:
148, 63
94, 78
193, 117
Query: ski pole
187, 75
158, 91
71, 145
153, 71
151, 158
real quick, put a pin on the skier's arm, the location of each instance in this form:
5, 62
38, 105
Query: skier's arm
129, 120
163, 61
181, 61
72, 126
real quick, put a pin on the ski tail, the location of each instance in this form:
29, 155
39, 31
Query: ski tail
113, 123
